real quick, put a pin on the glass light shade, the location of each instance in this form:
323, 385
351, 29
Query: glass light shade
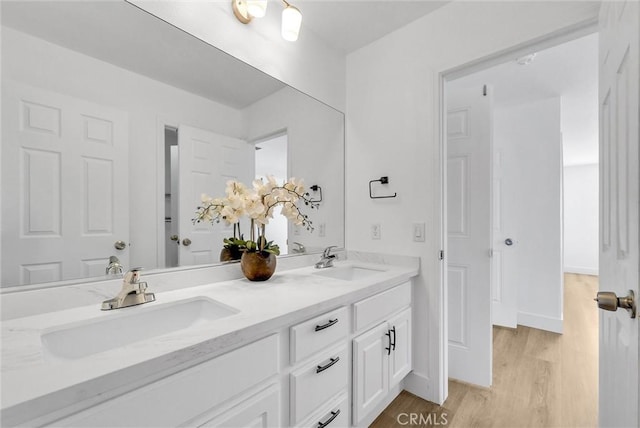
257, 8
291, 20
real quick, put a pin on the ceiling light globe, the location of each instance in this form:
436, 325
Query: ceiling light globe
291, 21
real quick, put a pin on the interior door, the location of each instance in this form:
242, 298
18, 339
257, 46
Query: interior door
469, 233
207, 161
70, 204
504, 294
619, 179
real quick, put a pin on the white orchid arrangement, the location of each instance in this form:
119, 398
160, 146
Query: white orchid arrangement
258, 205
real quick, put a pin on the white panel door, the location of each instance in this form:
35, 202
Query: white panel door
370, 371
504, 294
65, 198
619, 197
469, 233
400, 356
207, 161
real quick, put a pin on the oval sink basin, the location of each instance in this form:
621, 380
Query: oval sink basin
347, 273
123, 327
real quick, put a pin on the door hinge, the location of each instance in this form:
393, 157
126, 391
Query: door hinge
441, 255
484, 91
490, 252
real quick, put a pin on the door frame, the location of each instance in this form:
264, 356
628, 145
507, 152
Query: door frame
549, 40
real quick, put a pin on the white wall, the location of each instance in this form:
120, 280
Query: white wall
529, 140
581, 191
47, 66
308, 124
308, 64
393, 129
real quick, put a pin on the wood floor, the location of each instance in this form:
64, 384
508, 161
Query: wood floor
540, 379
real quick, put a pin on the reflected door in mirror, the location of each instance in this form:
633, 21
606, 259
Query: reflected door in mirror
207, 162
69, 156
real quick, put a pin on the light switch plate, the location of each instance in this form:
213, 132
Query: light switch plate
418, 232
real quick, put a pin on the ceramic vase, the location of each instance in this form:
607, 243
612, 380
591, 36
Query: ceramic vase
258, 266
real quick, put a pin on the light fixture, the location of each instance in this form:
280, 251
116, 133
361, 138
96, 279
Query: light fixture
257, 8
291, 21
246, 10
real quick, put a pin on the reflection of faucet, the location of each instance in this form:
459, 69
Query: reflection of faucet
299, 248
114, 266
327, 258
133, 292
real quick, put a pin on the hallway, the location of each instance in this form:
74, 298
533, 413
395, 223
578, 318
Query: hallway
540, 379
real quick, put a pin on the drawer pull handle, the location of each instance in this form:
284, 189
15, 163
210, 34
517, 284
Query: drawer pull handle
333, 416
327, 325
331, 362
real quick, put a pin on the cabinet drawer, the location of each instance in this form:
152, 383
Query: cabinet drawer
333, 415
315, 384
178, 398
261, 410
376, 309
311, 336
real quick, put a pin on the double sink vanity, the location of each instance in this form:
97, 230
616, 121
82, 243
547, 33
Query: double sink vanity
310, 347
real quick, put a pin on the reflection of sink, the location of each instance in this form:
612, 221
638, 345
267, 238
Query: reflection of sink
347, 273
134, 324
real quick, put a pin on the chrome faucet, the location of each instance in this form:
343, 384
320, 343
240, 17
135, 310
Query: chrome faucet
114, 266
299, 248
133, 292
327, 258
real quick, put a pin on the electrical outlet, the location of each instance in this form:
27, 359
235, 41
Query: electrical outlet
296, 230
322, 232
418, 232
376, 231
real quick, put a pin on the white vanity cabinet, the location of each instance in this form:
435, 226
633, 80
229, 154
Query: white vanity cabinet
261, 410
181, 398
382, 354
335, 369
323, 342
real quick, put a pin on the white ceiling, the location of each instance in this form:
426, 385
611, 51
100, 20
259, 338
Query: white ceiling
570, 71
347, 25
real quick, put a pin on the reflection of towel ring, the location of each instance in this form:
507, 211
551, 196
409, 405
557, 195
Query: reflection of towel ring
316, 188
382, 180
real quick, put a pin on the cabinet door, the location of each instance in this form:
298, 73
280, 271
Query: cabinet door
370, 371
260, 411
400, 358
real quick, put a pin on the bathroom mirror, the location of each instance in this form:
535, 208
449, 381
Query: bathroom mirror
113, 124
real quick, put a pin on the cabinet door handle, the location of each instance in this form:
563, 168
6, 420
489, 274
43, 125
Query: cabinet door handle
388, 334
393, 344
331, 362
327, 325
328, 421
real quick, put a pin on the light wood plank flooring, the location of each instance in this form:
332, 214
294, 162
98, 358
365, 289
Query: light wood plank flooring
540, 379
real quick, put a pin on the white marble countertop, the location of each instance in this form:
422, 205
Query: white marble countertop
38, 385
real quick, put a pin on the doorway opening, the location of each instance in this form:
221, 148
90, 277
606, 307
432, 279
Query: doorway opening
536, 200
171, 196
271, 160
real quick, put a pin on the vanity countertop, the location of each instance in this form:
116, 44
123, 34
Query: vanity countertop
33, 383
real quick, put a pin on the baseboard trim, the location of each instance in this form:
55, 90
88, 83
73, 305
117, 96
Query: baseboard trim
540, 322
581, 270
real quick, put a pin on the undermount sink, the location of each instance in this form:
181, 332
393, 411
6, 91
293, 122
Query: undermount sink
135, 324
347, 273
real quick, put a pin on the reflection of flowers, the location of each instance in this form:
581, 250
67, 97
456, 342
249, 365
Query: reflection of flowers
258, 204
